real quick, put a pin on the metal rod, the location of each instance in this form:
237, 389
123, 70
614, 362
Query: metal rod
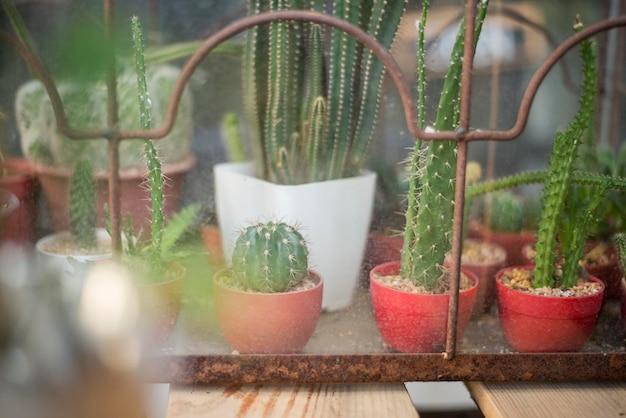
459, 189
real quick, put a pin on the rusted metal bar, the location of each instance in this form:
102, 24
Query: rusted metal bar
115, 199
364, 368
459, 189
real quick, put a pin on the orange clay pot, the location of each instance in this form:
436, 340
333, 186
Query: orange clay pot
267, 323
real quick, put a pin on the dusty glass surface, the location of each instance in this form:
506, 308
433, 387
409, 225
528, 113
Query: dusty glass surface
508, 55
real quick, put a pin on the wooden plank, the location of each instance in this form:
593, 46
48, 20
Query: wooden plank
549, 399
270, 401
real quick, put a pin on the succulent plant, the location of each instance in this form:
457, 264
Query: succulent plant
619, 240
506, 212
312, 113
269, 257
430, 201
82, 205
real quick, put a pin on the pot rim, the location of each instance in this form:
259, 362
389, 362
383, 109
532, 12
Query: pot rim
532, 266
219, 273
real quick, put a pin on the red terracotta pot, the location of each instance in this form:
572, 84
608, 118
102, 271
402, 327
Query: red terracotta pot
267, 323
135, 197
161, 304
8, 205
414, 323
486, 274
381, 248
513, 242
20, 180
544, 324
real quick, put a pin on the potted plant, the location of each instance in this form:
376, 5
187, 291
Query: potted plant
18, 177
410, 297
505, 222
71, 251
84, 98
310, 131
269, 302
156, 262
552, 306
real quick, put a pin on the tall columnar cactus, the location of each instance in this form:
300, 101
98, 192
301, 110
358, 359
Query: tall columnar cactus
428, 231
83, 205
311, 113
269, 257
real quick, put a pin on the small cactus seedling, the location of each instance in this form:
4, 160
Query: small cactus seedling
83, 206
269, 257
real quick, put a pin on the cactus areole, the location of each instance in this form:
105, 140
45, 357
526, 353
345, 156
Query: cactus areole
269, 257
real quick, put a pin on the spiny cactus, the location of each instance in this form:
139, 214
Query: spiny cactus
269, 257
312, 119
619, 240
428, 231
506, 212
83, 205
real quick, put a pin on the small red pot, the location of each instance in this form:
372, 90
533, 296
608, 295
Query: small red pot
267, 323
414, 323
22, 182
8, 205
212, 239
544, 324
513, 242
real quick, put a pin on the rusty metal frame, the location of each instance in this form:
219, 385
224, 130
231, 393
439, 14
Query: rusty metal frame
448, 365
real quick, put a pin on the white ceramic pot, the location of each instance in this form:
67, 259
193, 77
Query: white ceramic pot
334, 217
70, 267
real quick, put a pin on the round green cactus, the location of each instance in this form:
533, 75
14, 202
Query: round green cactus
269, 257
507, 212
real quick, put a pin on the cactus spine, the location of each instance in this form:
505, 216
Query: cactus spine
83, 205
432, 173
269, 257
315, 119
619, 240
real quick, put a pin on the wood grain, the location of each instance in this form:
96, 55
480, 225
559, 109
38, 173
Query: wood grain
276, 401
549, 399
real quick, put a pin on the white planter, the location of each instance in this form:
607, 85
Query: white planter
334, 217
70, 267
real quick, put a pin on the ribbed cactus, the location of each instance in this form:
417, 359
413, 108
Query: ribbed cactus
83, 205
506, 212
269, 257
428, 231
312, 114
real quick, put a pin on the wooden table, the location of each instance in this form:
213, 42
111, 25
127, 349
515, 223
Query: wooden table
362, 400
549, 399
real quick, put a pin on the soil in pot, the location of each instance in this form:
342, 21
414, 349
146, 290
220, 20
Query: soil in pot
546, 319
600, 260
414, 322
513, 242
267, 323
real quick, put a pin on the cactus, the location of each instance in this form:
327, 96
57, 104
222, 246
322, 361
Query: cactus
428, 231
312, 120
507, 212
269, 257
619, 240
83, 205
